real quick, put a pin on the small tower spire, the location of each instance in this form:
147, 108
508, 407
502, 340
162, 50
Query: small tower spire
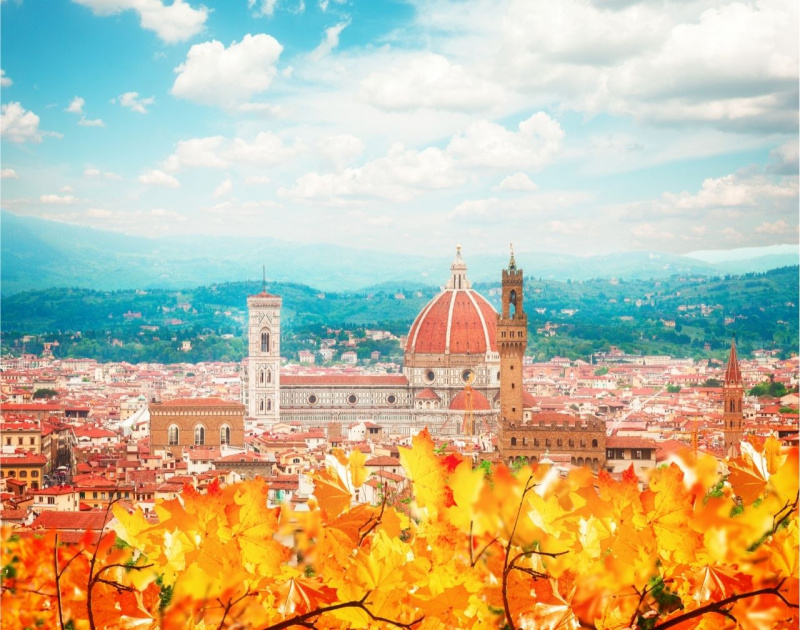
512, 264
733, 374
458, 272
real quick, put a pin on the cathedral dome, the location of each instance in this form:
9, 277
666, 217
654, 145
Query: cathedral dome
457, 321
479, 401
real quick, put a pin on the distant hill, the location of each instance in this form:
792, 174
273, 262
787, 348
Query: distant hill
680, 315
40, 254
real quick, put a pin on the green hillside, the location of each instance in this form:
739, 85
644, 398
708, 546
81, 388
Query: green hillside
683, 316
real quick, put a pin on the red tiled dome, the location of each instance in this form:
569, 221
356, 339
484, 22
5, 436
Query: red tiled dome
479, 401
460, 320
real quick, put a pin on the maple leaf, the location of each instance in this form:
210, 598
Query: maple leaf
331, 491
426, 473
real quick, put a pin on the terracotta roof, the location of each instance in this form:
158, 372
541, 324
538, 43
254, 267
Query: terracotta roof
615, 441
382, 460
460, 320
54, 490
23, 460
528, 401
427, 394
345, 379
479, 401
56, 519
12, 515
249, 456
733, 375
197, 402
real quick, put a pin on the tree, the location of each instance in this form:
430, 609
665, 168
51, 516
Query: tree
673, 389
475, 550
44, 392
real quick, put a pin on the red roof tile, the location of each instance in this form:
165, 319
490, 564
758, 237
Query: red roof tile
55, 519
459, 320
386, 380
479, 401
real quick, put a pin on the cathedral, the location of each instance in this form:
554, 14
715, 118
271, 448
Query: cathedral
450, 381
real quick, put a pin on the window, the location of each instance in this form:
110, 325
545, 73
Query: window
51, 500
34, 473
94, 495
82, 495
312, 399
571, 442
583, 443
19, 441
32, 441
559, 442
296, 460
513, 441
224, 434
352, 399
594, 443
269, 404
637, 454
269, 376
391, 399
173, 435
609, 454
264, 342
23, 473
524, 441
536, 441
199, 435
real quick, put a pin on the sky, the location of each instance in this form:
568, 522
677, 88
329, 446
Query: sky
577, 126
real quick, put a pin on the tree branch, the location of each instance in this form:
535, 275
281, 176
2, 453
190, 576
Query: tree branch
377, 521
720, 606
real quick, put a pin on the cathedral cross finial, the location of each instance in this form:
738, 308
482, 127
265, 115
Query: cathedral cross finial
512, 264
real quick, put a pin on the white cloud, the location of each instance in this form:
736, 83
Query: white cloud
76, 106
223, 189
95, 122
266, 149
172, 23
485, 143
67, 189
156, 177
91, 173
256, 180
341, 149
778, 227
19, 125
329, 42
399, 176
58, 199
8, 173
266, 8
228, 77
784, 159
4, 80
428, 80
517, 181
132, 101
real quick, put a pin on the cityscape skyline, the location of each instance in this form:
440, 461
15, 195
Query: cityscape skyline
573, 127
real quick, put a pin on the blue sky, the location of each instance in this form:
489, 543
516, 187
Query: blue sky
574, 126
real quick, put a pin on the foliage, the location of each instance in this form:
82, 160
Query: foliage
601, 371
673, 389
771, 388
45, 392
533, 550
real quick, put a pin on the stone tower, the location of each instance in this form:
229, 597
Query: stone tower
264, 357
512, 339
732, 394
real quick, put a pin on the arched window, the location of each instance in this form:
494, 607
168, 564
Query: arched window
512, 303
173, 435
224, 434
269, 376
594, 442
199, 435
261, 405
513, 441
571, 442
560, 442
536, 441
269, 404
547, 442
261, 377
524, 441
264, 342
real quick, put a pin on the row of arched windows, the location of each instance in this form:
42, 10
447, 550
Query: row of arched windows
264, 376
173, 435
548, 442
265, 405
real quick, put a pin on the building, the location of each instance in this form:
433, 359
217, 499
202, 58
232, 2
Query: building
522, 433
262, 369
189, 422
451, 345
733, 394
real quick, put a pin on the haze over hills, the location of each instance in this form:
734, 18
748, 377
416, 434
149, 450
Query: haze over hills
39, 254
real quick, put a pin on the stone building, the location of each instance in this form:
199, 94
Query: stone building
262, 368
523, 433
733, 395
187, 422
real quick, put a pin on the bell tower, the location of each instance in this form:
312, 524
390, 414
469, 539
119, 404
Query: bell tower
732, 395
512, 339
264, 357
